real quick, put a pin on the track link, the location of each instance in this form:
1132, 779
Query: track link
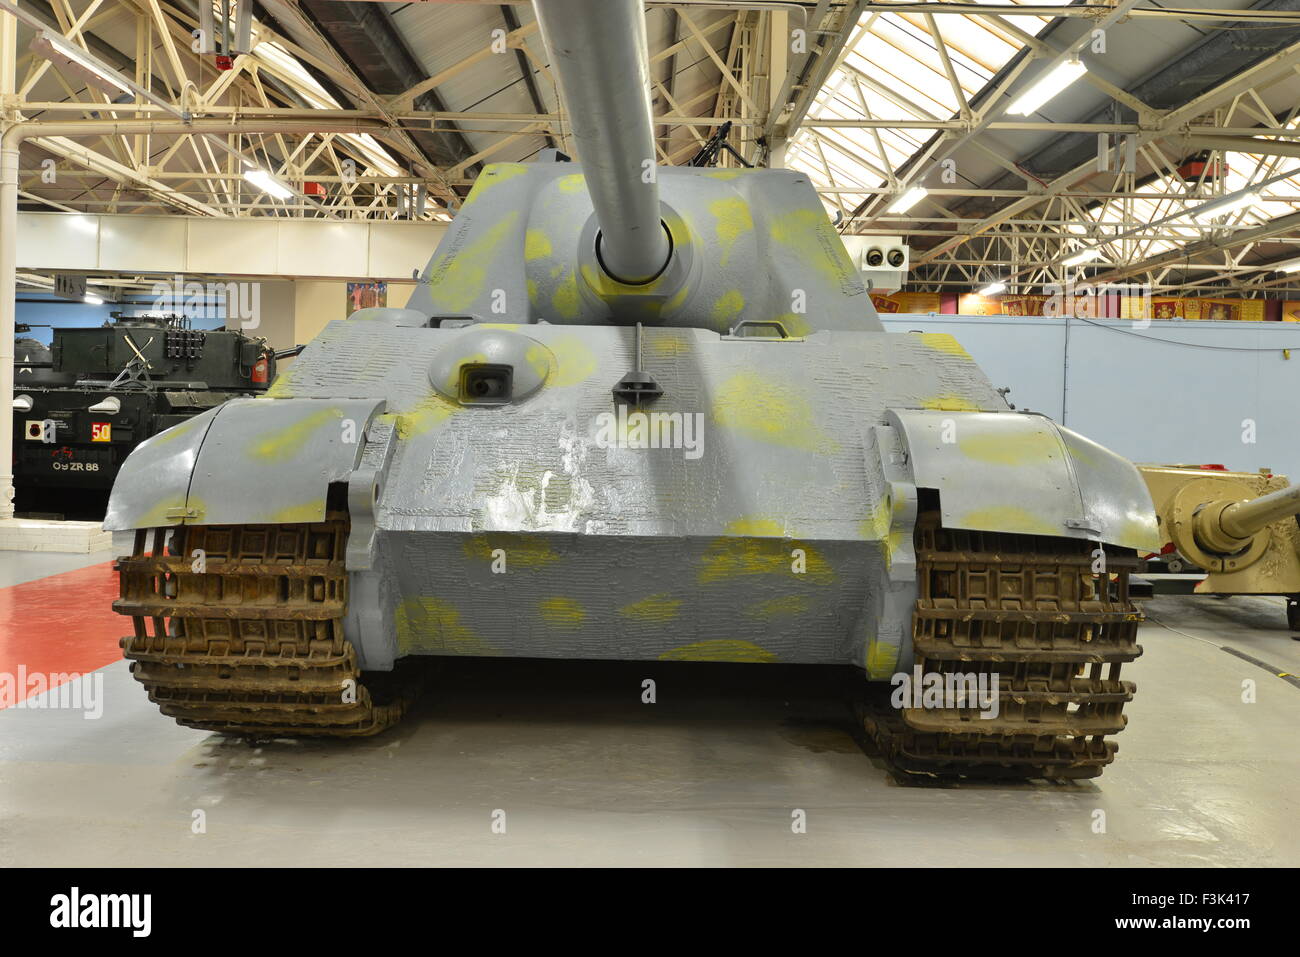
240, 630
252, 644
1029, 610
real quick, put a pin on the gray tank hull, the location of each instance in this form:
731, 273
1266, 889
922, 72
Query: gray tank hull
775, 525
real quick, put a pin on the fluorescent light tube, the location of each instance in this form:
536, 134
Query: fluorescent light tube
993, 288
1047, 86
92, 300
263, 181
1292, 265
48, 43
1081, 257
1219, 207
907, 199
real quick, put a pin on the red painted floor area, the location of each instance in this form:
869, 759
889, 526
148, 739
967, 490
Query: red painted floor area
61, 624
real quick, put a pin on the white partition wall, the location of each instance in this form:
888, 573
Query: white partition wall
283, 248
1174, 392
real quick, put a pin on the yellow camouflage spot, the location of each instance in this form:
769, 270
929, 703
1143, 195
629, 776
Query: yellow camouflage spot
1021, 447
720, 649
809, 235
537, 245
876, 526
796, 227
494, 175
653, 608
573, 183
285, 443
538, 358
282, 387
433, 625
727, 307
943, 342
565, 300
950, 402
882, 659
734, 221
895, 540
774, 412
756, 526
742, 554
157, 515
1008, 518
732, 557
460, 277
313, 511
574, 361
678, 298
666, 342
521, 551
561, 612
429, 412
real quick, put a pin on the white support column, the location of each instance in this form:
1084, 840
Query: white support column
8, 257
778, 64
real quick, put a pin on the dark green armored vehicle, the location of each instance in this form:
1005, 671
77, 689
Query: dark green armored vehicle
82, 406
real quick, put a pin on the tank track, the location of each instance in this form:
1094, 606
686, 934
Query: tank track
1029, 609
253, 644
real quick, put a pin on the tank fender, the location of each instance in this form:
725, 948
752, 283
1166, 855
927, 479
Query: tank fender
249, 461
152, 484
390, 316
1023, 473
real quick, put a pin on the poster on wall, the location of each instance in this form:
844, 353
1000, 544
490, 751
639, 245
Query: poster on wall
1251, 310
1291, 311
973, 304
915, 302
366, 295
1023, 305
1242, 310
1220, 310
1162, 309
1125, 307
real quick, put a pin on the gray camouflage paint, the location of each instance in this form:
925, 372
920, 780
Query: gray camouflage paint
748, 244
514, 530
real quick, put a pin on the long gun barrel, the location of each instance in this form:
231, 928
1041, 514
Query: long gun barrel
598, 52
1225, 527
1243, 519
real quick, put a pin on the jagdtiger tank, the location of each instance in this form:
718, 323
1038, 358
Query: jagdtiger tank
637, 413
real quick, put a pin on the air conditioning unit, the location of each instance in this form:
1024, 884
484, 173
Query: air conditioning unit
883, 261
